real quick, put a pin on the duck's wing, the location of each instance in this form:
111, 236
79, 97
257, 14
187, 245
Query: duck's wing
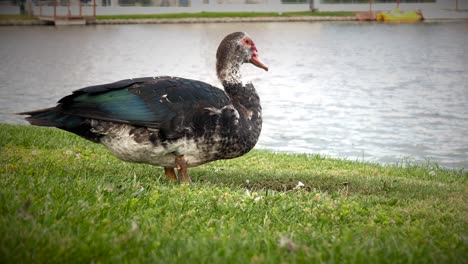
169, 104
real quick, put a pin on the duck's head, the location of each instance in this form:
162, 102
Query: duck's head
234, 50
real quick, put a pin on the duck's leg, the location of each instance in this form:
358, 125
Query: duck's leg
170, 174
181, 165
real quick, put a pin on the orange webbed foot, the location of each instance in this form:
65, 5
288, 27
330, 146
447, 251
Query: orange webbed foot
170, 174
182, 172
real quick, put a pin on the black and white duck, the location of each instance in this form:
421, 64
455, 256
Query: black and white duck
169, 121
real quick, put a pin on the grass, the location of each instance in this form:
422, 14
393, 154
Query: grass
198, 15
224, 14
63, 199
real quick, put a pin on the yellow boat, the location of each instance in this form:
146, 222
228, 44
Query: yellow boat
399, 16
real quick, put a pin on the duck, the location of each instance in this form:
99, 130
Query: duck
171, 122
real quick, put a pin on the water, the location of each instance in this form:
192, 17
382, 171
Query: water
376, 92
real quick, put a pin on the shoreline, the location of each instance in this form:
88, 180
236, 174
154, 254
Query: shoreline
219, 20
185, 20
134, 21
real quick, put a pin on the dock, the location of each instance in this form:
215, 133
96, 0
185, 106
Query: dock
65, 15
63, 20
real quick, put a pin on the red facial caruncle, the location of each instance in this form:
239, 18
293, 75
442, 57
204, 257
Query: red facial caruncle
255, 60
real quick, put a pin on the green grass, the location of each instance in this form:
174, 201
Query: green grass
224, 14
63, 199
198, 15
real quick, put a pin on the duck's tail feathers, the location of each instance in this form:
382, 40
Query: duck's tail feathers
52, 117
56, 117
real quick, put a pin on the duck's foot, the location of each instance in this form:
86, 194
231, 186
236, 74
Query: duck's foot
170, 174
182, 173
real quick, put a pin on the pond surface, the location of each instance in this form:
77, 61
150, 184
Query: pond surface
361, 91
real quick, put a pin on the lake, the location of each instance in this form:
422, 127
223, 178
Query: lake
384, 93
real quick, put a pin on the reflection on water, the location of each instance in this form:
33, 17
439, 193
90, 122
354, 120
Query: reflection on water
376, 92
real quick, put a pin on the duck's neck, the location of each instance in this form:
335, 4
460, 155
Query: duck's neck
237, 91
229, 74
244, 98
247, 103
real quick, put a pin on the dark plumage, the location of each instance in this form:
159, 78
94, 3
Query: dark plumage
168, 121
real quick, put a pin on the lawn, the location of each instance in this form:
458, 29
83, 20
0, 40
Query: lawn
224, 14
64, 199
199, 15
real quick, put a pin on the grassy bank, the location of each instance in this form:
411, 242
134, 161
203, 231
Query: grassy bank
224, 15
200, 15
191, 17
63, 199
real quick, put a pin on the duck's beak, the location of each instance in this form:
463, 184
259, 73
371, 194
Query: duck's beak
255, 60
